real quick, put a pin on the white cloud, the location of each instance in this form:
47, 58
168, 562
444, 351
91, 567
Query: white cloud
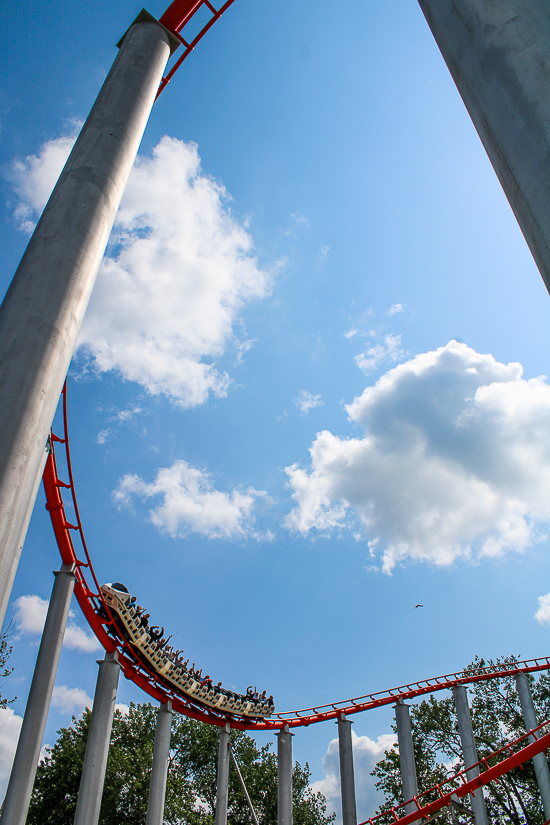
35, 176
70, 700
122, 708
10, 725
306, 401
191, 504
180, 270
366, 753
374, 356
127, 415
103, 435
394, 309
30, 615
543, 613
455, 462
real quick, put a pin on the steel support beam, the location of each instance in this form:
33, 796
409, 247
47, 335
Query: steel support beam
347, 777
284, 776
159, 770
18, 795
222, 788
469, 751
407, 762
97, 746
43, 309
498, 54
540, 762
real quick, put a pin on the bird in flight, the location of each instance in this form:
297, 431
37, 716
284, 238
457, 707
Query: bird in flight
418, 605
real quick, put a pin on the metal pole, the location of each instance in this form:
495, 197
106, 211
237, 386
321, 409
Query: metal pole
469, 751
4, 599
159, 770
347, 778
284, 776
222, 788
43, 309
243, 786
23, 772
97, 746
406, 755
540, 762
499, 57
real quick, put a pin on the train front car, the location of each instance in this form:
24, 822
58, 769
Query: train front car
173, 673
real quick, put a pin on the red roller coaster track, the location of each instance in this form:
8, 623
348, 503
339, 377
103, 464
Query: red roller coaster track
176, 17
91, 600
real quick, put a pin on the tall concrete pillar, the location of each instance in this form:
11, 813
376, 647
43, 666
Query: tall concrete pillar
10, 578
222, 788
540, 762
406, 755
284, 776
498, 54
469, 751
159, 770
347, 777
97, 746
43, 309
18, 795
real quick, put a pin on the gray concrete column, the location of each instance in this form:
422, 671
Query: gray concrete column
469, 751
222, 787
347, 777
159, 770
10, 578
284, 776
498, 54
540, 762
406, 755
43, 309
97, 746
23, 772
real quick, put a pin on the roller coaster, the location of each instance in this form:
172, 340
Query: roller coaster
119, 625
115, 623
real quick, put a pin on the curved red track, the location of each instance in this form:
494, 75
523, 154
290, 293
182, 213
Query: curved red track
90, 600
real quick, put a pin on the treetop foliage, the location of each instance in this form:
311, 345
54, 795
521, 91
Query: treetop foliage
191, 783
496, 720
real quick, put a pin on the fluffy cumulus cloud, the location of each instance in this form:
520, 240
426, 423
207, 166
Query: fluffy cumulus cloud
455, 462
10, 725
70, 700
189, 503
34, 177
366, 753
543, 613
179, 271
306, 401
30, 615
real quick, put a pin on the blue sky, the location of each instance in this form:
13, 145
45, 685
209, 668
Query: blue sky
275, 445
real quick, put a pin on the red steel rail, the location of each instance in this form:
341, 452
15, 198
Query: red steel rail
487, 774
90, 600
176, 17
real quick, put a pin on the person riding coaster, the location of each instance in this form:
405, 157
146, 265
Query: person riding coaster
151, 649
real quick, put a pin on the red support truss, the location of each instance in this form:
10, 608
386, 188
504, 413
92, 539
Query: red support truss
176, 17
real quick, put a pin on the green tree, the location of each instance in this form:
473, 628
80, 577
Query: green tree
496, 719
191, 784
5, 653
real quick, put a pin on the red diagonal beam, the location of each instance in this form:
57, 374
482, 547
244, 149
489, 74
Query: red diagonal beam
472, 786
